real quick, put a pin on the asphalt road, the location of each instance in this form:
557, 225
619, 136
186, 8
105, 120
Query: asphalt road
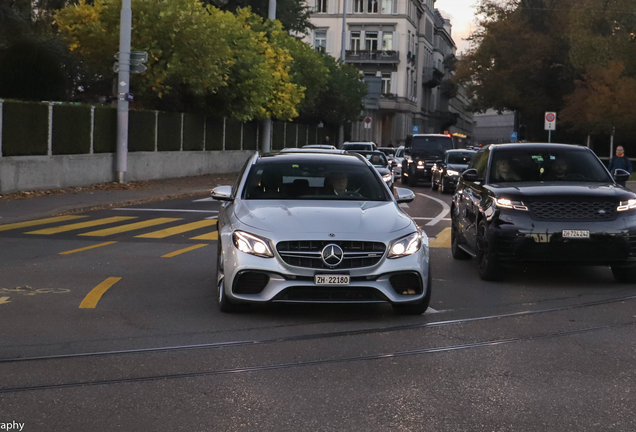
110, 324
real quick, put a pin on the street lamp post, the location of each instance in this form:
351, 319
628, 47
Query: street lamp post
123, 87
343, 54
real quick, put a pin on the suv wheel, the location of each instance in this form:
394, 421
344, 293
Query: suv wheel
456, 252
434, 185
487, 264
225, 305
624, 274
404, 179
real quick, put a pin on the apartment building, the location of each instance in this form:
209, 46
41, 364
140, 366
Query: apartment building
407, 46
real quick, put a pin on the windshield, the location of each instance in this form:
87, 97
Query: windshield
361, 146
459, 158
432, 146
377, 159
399, 152
546, 165
314, 180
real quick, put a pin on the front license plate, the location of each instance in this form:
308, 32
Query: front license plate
331, 279
576, 234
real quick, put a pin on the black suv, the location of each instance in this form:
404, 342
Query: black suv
543, 203
421, 151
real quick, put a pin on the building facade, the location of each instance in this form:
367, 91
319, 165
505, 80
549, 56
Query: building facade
492, 127
406, 44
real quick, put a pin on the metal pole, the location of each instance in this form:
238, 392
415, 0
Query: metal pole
343, 47
612, 143
123, 87
267, 123
549, 136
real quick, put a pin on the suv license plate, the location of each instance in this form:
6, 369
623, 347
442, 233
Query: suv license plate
331, 279
576, 234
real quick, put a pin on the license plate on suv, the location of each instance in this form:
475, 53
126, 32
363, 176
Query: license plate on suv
331, 279
576, 234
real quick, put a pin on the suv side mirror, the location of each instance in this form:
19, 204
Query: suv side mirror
470, 175
620, 175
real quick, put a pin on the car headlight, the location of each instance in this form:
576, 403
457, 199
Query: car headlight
452, 173
627, 205
399, 165
509, 204
386, 177
420, 163
252, 244
404, 246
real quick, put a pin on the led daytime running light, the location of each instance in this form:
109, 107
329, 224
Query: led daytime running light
627, 205
509, 204
251, 244
405, 246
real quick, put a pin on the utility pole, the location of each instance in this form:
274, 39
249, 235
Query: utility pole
266, 142
123, 87
343, 54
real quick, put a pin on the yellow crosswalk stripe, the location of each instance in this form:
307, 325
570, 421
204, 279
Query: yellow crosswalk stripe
179, 229
87, 248
180, 251
81, 225
38, 222
130, 227
214, 235
443, 239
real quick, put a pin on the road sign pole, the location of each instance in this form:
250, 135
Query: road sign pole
550, 136
266, 142
123, 87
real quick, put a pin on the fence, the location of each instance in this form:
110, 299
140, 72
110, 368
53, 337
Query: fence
33, 129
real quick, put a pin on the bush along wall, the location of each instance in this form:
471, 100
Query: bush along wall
51, 128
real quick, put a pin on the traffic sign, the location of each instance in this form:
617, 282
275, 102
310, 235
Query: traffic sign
137, 58
134, 68
416, 130
513, 136
550, 121
367, 123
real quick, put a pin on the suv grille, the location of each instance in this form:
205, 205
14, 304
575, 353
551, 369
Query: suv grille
562, 210
307, 253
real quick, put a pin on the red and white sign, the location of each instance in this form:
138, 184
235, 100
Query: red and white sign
550, 121
367, 123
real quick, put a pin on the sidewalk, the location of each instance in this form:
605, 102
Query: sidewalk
25, 206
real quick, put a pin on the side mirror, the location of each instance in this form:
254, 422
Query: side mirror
404, 195
470, 175
620, 175
222, 193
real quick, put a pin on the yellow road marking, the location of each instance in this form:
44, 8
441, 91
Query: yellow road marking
81, 225
86, 248
214, 235
179, 229
443, 239
129, 227
38, 222
91, 299
180, 251
4, 300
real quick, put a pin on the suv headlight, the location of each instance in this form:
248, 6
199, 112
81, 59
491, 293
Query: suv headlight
404, 246
420, 163
386, 177
252, 244
627, 205
452, 173
509, 204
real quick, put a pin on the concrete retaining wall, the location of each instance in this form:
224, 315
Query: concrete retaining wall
24, 173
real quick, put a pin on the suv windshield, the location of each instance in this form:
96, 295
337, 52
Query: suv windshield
459, 158
314, 180
360, 146
539, 165
377, 159
432, 146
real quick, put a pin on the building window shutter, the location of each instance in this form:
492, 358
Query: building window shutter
330, 41
396, 41
363, 42
395, 7
348, 41
394, 83
312, 5
349, 6
331, 4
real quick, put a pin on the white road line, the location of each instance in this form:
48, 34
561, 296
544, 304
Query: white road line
404, 205
428, 218
168, 210
445, 210
204, 199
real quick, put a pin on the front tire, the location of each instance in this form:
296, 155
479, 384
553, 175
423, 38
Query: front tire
624, 274
416, 308
456, 252
225, 305
434, 185
404, 179
487, 262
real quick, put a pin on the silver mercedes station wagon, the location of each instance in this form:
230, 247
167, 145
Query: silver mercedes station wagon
318, 227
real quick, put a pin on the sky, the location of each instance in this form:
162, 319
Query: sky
461, 13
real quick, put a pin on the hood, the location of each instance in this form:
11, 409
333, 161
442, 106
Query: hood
322, 216
562, 190
457, 167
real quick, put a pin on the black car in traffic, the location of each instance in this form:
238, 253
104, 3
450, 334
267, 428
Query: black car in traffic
543, 203
446, 172
421, 151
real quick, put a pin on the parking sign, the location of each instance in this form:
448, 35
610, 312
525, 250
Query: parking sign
550, 121
513, 136
416, 130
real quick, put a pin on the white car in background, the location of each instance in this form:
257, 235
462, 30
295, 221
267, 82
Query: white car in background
368, 146
399, 159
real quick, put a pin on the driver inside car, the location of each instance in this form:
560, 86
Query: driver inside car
558, 171
338, 183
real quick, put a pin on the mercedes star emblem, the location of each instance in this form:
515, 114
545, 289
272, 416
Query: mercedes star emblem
332, 255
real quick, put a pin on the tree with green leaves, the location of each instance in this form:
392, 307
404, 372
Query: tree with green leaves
294, 15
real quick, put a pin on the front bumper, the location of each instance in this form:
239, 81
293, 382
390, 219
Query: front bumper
288, 283
515, 236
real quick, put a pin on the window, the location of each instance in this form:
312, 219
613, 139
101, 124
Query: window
386, 82
387, 41
358, 6
320, 41
373, 6
355, 41
321, 6
387, 6
371, 40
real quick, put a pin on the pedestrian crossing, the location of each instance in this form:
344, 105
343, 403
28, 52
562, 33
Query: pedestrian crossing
160, 228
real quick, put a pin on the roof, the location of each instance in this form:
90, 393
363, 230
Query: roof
318, 155
530, 146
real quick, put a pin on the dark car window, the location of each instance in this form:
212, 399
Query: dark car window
544, 165
314, 180
431, 146
459, 158
377, 158
399, 152
479, 162
357, 146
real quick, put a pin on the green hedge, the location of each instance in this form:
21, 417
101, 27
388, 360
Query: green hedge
141, 131
25, 129
105, 130
193, 132
213, 133
232, 134
71, 129
250, 133
169, 134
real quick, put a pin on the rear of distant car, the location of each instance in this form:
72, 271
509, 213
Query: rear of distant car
368, 146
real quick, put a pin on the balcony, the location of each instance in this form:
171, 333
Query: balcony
432, 77
375, 57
